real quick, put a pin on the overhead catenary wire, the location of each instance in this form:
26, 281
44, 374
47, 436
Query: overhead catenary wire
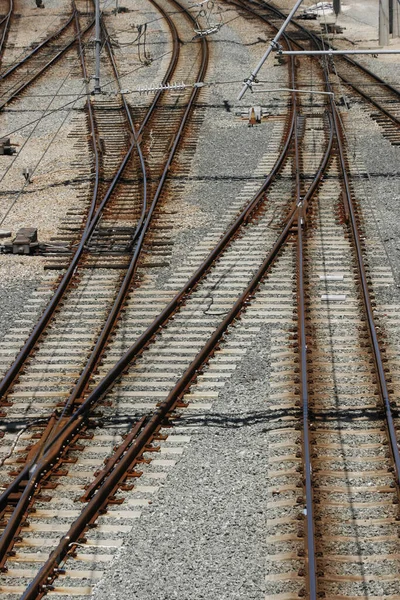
74, 99
36, 123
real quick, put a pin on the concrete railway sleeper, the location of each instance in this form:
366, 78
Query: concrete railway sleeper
185, 379
287, 229
153, 422
381, 95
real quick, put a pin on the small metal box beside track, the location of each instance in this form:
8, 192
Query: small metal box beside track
5, 147
25, 242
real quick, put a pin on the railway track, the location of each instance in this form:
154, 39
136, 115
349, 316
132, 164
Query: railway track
118, 412
4, 26
347, 454
349, 77
381, 95
22, 74
151, 426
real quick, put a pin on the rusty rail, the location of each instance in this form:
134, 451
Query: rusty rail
99, 500
319, 42
35, 50
383, 388
42, 70
180, 297
310, 549
5, 23
310, 554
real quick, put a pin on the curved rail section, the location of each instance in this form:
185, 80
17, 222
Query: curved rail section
14, 80
347, 68
111, 479
314, 582
5, 26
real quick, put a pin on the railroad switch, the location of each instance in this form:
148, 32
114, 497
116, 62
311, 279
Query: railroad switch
6, 147
25, 242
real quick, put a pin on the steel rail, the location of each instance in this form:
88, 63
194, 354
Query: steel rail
310, 546
310, 553
11, 70
367, 303
384, 394
92, 129
383, 388
179, 298
12, 526
311, 564
118, 303
303, 353
300, 211
91, 120
54, 302
6, 26
245, 214
39, 73
319, 41
99, 500
178, 388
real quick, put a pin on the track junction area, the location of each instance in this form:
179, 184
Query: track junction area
199, 303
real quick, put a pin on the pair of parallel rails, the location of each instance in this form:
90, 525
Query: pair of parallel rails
67, 429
